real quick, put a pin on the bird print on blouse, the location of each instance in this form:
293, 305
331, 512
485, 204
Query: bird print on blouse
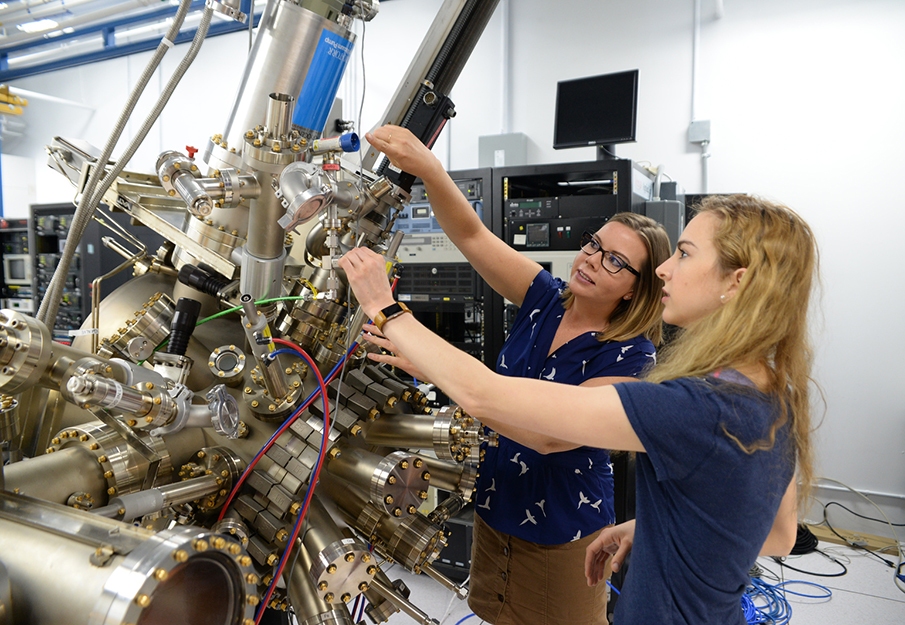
576, 537
540, 504
535, 483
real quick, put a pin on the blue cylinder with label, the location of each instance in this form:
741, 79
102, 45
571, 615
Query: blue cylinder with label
321, 82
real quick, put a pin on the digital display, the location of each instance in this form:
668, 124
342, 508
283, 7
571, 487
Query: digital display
529, 204
538, 235
421, 212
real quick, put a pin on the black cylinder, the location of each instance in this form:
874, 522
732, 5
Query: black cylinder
183, 324
200, 280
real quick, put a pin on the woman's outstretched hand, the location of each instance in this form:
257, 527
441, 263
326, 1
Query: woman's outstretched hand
613, 541
367, 275
375, 336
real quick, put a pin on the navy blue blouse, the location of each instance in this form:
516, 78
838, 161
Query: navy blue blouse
560, 497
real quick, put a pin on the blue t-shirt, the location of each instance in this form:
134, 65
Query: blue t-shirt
703, 505
560, 497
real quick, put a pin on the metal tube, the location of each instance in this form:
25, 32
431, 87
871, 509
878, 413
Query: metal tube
355, 465
279, 114
403, 604
54, 477
404, 430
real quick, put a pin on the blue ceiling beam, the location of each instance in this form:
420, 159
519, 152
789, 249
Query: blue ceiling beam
220, 28
150, 16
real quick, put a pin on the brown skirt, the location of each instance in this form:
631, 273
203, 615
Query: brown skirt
515, 582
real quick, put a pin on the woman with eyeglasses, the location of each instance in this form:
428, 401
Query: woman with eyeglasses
718, 425
540, 500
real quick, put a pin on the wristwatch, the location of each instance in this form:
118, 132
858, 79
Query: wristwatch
391, 311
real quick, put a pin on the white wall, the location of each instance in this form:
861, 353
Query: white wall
805, 99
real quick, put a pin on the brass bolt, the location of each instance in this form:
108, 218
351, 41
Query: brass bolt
111, 491
422, 494
363, 586
234, 548
294, 508
102, 459
161, 575
397, 512
149, 419
418, 463
254, 404
108, 474
131, 423
49, 450
201, 454
391, 479
404, 464
219, 543
272, 558
55, 441
349, 557
329, 597
391, 401
388, 499
372, 570
148, 385
334, 453
143, 600
271, 408
366, 557
244, 561
83, 437
346, 597
331, 569
426, 476
322, 586
412, 509
200, 545
253, 600
251, 578
282, 535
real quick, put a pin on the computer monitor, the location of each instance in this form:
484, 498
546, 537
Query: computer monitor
597, 110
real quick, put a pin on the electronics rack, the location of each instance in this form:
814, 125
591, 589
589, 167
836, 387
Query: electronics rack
48, 230
16, 266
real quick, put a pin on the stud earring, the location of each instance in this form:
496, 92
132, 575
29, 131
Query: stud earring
722, 299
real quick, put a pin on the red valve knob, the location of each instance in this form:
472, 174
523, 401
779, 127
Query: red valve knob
191, 151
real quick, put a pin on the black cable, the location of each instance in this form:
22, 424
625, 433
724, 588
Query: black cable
825, 555
852, 544
861, 516
805, 541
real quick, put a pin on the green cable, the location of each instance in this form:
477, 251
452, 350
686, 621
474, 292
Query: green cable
231, 310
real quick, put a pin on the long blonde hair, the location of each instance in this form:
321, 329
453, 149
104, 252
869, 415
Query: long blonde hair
766, 321
642, 314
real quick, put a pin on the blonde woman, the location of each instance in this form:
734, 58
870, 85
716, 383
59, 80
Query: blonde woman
540, 501
719, 426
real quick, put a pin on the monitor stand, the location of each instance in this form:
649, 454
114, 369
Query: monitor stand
606, 152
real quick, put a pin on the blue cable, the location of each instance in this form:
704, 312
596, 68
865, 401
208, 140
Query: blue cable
465, 619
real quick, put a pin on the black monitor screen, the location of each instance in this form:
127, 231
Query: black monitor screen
597, 110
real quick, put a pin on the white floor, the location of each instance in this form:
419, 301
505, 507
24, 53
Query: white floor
866, 595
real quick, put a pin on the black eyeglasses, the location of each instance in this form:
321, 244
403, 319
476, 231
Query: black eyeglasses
611, 262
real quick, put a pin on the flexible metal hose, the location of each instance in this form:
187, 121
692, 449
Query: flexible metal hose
90, 197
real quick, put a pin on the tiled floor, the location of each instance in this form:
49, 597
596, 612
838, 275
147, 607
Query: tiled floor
866, 595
